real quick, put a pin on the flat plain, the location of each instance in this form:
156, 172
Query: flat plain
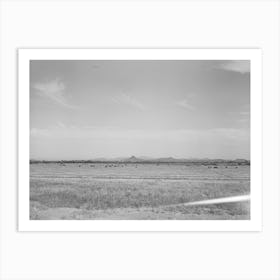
136, 191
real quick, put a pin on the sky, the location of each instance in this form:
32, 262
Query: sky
158, 108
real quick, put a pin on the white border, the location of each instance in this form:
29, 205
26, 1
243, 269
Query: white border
254, 55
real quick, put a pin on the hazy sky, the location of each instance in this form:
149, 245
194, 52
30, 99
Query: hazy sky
183, 109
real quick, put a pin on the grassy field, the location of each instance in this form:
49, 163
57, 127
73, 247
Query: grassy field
135, 191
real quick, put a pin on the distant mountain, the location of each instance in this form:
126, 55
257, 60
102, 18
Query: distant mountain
134, 159
240, 160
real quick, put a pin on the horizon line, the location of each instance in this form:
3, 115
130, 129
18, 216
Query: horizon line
142, 158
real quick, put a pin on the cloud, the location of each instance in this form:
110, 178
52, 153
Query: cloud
91, 142
239, 113
61, 124
185, 104
53, 90
240, 66
244, 113
125, 99
236, 134
244, 120
117, 133
40, 132
244, 117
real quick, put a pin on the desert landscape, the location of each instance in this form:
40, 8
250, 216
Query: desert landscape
138, 190
139, 139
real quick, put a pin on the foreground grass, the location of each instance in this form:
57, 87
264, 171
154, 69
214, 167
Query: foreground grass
148, 197
226, 211
122, 194
89, 197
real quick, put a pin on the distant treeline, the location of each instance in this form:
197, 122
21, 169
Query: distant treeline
186, 162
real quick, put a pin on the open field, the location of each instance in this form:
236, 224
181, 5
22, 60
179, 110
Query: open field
136, 191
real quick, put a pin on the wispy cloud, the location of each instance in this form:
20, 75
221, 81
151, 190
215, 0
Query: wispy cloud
40, 132
116, 133
125, 99
53, 90
244, 117
240, 66
241, 117
243, 120
113, 142
244, 113
185, 104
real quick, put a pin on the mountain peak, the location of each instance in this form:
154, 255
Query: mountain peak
132, 159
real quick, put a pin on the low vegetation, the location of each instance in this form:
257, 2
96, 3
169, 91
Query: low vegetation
159, 190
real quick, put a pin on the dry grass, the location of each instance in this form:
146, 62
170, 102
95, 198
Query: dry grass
93, 190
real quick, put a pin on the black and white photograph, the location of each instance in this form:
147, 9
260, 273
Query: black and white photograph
139, 140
